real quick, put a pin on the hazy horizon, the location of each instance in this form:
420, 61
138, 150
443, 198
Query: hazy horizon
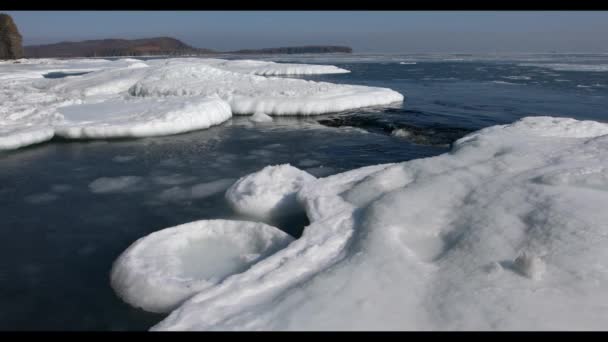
365, 32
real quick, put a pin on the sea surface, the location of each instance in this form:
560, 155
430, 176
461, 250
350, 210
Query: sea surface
60, 233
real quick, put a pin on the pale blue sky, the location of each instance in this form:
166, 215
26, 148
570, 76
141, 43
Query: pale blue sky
376, 31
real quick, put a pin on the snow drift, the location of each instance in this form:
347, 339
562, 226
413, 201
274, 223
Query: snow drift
269, 192
504, 232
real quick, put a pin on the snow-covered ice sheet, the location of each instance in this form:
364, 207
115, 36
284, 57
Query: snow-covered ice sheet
505, 232
248, 94
106, 102
16, 136
263, 68
141, 117
161, 270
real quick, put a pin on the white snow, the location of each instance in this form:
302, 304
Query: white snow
248, 94
107, 101
269, 192
262, 68
505, 232
141, 117
16, 136
158, 272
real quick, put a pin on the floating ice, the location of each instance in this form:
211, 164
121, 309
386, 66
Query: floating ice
141, 117
198, 191
248, 94
268, 192
421, 245
40, 198
105, 185
158, 272
260, 117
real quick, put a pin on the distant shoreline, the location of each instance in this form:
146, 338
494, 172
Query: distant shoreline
157, 47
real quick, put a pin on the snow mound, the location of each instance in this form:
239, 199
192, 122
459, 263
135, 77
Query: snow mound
158, 272
260, 117
269, 192
248, 94
141, 117
436, 243
102, 82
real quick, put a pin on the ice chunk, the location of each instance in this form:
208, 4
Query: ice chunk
141, 117
529, 265
158, 272
248, 94
198, 191
260, 117
268, 192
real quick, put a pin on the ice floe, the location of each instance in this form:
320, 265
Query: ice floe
107, 102
141, 117
504, 232
158, 272
248, 94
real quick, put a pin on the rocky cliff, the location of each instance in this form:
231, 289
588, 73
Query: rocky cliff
10, 39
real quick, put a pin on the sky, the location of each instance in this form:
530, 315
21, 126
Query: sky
365, 32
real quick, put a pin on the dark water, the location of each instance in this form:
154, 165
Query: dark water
59, 238
63, 74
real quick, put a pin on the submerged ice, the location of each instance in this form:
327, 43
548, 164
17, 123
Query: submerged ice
504, 232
